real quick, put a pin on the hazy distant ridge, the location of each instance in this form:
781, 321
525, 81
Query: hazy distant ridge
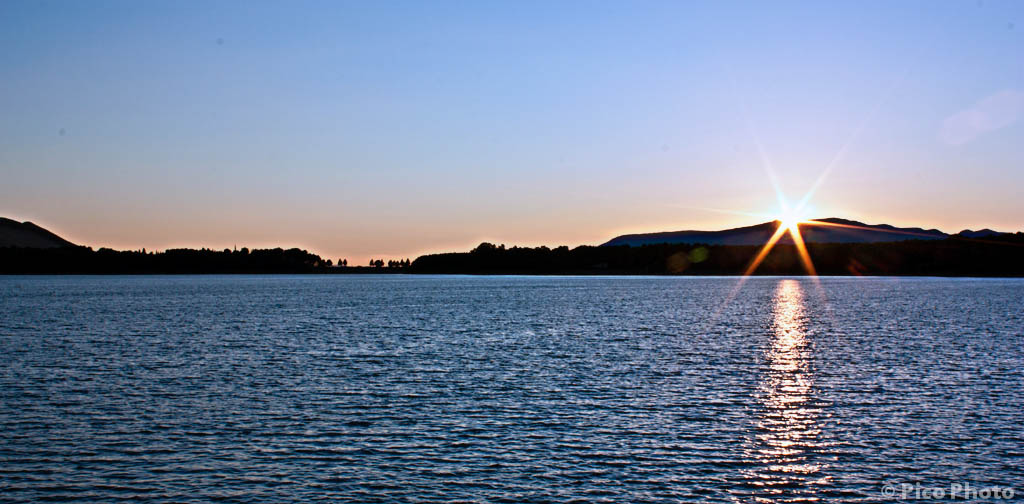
760, 233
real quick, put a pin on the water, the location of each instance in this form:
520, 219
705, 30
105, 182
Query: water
506, 389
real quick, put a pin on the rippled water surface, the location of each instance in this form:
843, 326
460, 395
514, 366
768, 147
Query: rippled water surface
506, 389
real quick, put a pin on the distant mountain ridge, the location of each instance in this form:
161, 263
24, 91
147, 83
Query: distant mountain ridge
981, 233
28, 235
760, 233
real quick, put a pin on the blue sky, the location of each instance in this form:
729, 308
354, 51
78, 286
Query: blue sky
390, 128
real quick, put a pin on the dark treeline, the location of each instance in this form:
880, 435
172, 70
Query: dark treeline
999, 256
955, 256
379, 263
84, 260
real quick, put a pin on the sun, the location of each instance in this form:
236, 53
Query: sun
789, 222
791, 218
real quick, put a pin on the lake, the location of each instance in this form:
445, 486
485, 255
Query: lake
507, 389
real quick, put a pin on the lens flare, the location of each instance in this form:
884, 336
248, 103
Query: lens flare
789, 222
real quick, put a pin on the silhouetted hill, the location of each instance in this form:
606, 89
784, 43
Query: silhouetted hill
759, 234
28, 235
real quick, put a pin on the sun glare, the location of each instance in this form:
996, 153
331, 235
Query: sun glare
791, 219
789, 222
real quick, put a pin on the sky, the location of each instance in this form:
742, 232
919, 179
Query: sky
391, 129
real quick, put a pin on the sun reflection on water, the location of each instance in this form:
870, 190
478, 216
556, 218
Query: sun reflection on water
783, 452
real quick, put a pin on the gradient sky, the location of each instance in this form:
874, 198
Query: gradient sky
389, 129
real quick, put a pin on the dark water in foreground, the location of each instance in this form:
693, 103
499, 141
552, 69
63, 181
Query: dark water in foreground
279, 389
